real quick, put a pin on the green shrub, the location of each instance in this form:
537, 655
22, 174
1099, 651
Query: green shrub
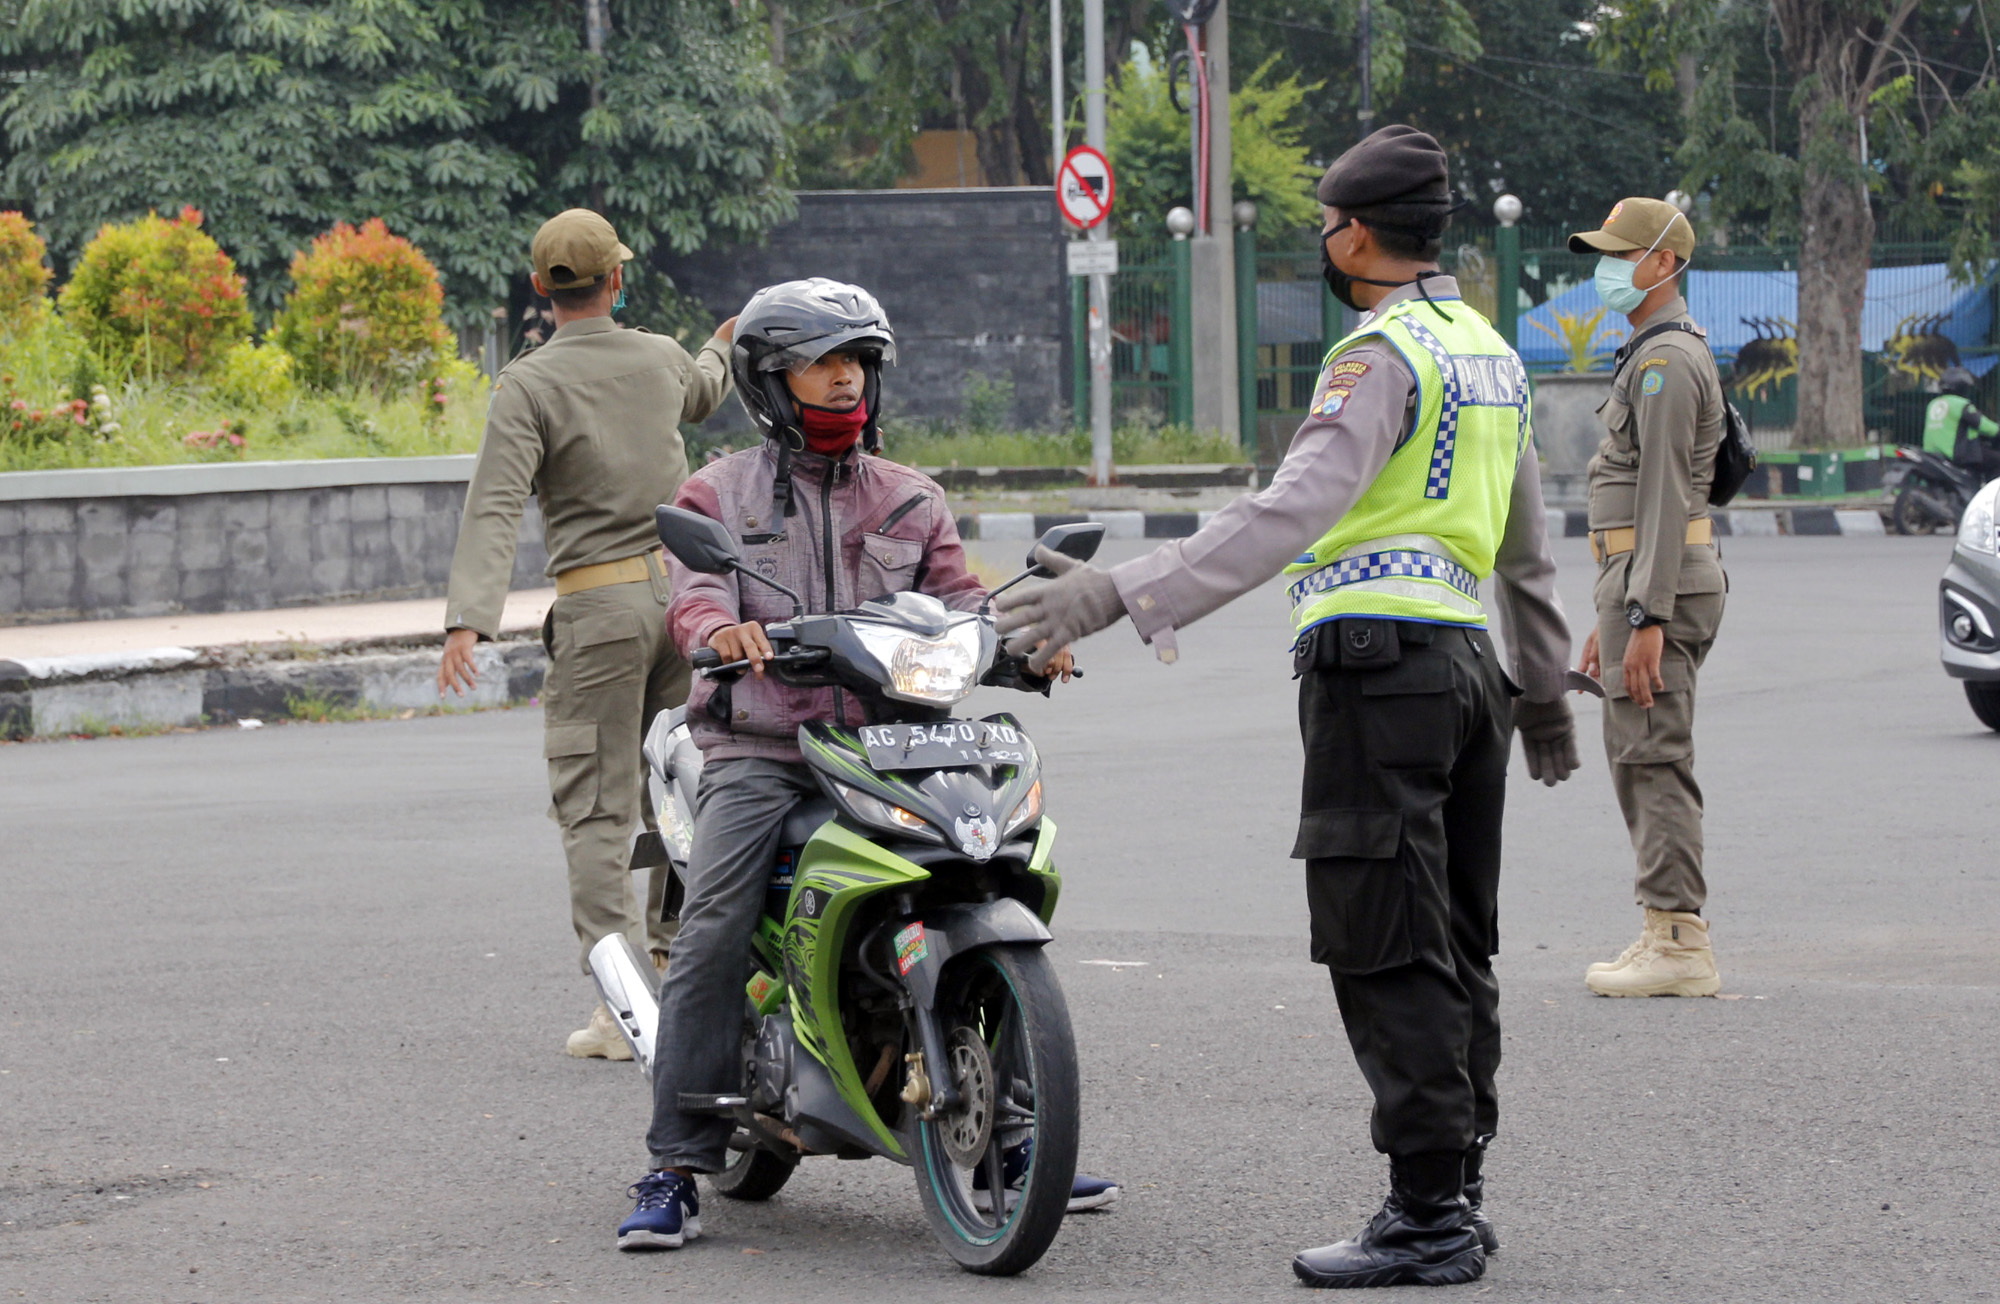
24, 275
366, 309
255, 375
157, 297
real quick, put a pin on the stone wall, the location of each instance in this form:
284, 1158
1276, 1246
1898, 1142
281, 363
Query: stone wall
972, 280
92, 545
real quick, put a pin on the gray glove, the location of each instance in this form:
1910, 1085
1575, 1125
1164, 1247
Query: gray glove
1548, 739
1052, 614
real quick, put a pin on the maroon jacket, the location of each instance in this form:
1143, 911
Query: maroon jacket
890, 530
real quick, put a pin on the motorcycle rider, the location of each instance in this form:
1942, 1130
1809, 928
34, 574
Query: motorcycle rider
1410, 485
1955, 429
815, 510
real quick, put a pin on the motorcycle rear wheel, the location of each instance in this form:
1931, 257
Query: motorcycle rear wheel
1010, 999
754, 1173
1985, 701
1916, 512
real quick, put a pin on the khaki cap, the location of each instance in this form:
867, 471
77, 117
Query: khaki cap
576, 248
1639, 223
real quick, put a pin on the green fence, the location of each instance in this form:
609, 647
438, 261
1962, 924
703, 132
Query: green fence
1288, 320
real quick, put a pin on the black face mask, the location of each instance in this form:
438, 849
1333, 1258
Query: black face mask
1338, 281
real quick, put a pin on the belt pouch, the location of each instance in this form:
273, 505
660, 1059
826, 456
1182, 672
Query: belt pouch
1366, 644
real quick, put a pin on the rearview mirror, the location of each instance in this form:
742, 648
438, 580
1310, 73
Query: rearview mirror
698, 542
1078, 540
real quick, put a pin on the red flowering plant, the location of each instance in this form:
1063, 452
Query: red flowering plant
157, 296
225, 441
367, 310
24, 421
24, 275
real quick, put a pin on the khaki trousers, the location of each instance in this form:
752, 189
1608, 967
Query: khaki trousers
612, 668
1652, 750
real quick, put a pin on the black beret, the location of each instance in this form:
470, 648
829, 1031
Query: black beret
1397, 164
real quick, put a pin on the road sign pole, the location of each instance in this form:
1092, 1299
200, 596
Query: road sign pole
1100, 286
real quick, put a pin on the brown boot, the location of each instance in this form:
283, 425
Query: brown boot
1673, 959
598, 1039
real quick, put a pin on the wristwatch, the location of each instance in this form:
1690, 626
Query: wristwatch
1636, 617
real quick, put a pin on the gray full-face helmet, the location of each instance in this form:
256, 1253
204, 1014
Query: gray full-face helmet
790, 326
1957, 380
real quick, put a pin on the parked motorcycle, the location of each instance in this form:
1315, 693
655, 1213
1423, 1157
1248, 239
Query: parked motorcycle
1932, 492
900, 1003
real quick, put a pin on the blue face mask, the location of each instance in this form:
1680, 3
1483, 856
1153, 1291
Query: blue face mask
1614, 278
619, 303
1614, 284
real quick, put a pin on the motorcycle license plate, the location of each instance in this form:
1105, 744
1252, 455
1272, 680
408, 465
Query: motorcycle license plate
943, 744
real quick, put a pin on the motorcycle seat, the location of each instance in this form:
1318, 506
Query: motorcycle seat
804, 819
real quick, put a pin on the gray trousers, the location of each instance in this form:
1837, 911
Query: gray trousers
739, 811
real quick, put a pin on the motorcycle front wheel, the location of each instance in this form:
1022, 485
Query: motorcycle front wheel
995, 1173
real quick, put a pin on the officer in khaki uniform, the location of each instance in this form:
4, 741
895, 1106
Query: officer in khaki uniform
1660, 587
589, 423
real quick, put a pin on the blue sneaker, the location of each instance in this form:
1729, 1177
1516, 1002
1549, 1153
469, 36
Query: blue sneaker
1084, 1192
668, 1213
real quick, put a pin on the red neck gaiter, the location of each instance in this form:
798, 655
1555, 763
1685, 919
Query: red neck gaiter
830, 433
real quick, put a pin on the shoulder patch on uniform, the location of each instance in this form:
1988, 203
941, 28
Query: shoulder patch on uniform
1355, 369
1653, 382
1652, 362
1335, 400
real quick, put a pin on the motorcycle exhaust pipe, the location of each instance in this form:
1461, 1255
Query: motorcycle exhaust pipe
625, 981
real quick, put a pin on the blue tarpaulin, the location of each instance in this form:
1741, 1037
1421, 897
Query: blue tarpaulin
1909, 312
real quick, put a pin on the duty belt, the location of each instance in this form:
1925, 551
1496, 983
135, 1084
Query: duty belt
1611, 543
1387, 569
626, 570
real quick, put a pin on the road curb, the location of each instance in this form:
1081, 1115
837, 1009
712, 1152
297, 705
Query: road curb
164, 688
1571, 522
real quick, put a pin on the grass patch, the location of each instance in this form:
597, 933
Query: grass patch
149, 422
1135, 445
325, 708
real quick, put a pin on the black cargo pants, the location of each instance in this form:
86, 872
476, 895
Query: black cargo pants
1406, 729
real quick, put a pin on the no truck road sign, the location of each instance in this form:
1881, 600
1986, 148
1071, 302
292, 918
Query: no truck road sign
1084, 187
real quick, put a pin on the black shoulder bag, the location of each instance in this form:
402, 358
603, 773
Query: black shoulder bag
1735, 456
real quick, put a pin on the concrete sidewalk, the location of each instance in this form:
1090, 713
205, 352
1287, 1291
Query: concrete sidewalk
358, 622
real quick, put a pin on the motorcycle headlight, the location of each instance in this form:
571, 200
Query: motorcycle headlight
1976, 527
1027, 812
941, 670
885, 815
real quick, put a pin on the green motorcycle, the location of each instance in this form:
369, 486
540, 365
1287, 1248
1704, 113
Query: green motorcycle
900, 1004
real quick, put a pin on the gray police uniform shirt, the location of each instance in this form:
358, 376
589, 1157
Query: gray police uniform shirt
1330, 464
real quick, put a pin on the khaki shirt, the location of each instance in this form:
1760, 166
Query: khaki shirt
1330, 464
1663, 424
590, 424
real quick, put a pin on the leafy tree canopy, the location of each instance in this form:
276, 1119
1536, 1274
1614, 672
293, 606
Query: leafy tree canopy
462, 123
1148, 145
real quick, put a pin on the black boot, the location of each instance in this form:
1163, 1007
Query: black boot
1475, 1196
1423, 1236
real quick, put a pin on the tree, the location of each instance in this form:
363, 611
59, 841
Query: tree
864, 82
1148, 145
1837, 56
461, 123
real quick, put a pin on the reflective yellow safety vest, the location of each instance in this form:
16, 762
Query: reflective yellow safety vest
1420, 538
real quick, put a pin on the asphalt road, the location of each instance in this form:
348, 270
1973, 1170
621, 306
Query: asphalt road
281, 1012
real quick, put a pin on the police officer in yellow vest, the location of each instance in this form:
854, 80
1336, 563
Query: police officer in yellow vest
590, 424
1409, 488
